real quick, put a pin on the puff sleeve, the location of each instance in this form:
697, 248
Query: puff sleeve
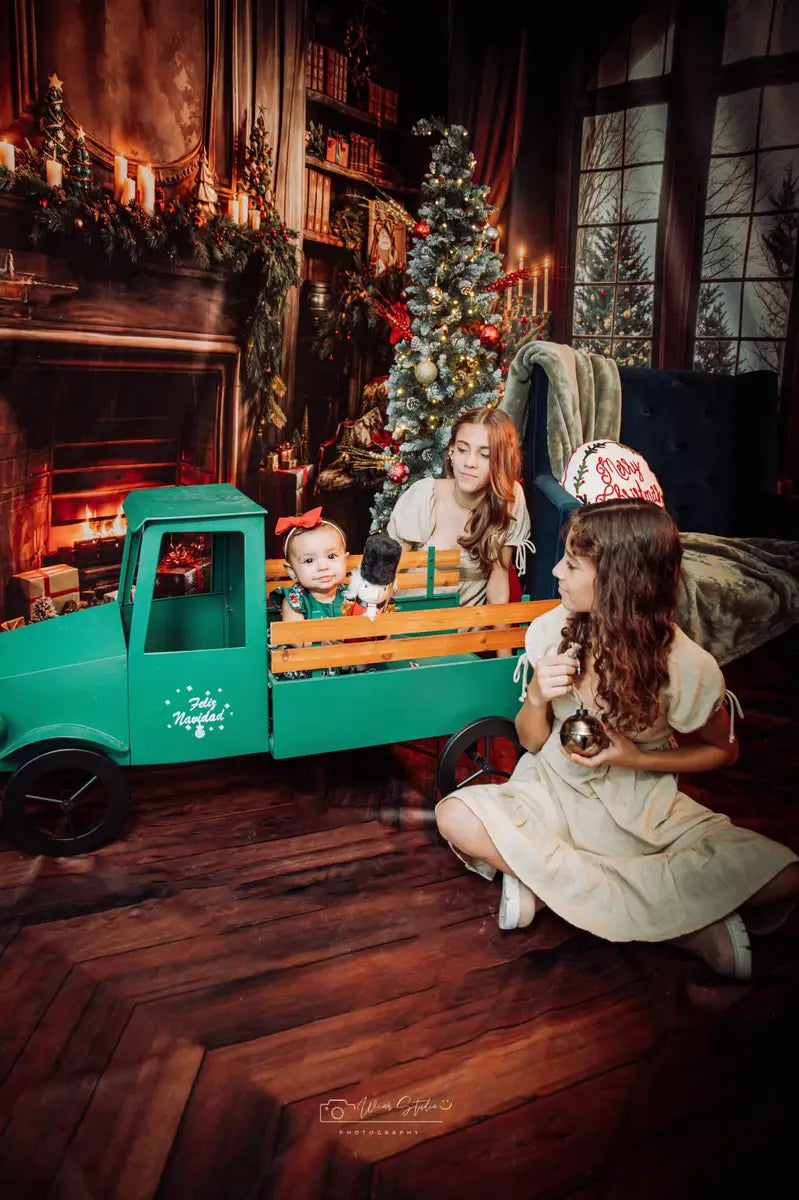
696, 688
413, 516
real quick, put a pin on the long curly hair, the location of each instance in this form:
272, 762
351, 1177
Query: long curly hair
636, 550
485, 533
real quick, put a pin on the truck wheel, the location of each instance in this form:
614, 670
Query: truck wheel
484, 752
65, 801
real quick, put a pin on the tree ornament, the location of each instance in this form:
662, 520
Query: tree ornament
435, 294
398, 472
51, 121
492, 233
583, 734
465, 288
488, 336
42, 609
420, 229
626, 314
79, 165
426, 372
79, 223
256, 178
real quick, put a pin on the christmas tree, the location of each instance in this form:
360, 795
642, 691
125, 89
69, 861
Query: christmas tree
80, 171
614, 318
257, 175
713, 351
51, 122
205, 190
450, 363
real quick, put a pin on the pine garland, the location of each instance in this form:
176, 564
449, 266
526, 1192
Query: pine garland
176, 233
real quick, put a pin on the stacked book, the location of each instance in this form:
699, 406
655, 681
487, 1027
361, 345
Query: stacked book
362, 154
315, 67
335, 74
383, 103
317, 201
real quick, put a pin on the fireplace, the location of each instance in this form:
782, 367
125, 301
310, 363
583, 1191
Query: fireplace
100, 396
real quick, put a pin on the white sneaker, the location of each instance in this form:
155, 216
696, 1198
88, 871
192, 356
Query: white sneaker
517, 906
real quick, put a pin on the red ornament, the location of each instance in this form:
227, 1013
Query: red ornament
420, 229
488, 336
398, 472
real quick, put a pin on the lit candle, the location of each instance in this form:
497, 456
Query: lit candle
120, 178
55, 172
535, 291
233, 210
244, 204
255, 219
546, 286
128, 191
521, 268
146, 178
7, 155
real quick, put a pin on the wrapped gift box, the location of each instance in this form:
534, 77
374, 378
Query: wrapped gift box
59, 582
184, 579
337, 151
284, 493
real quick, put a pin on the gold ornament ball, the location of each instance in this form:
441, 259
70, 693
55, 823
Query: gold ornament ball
426, 372
583, 734
492, 233
79, 223
435, 294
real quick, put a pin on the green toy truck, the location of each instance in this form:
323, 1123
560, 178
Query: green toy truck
159, 678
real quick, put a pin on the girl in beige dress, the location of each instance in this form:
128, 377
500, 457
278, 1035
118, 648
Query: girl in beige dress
609, 842
479, 507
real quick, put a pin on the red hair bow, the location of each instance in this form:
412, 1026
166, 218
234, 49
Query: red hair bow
306, 520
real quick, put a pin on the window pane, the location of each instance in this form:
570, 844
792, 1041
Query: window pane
634, 311
637, 251
593, 310
718, 310
725, 246
779, 125
641, 196
729, 185
645, 134
632, 354
772, 245
778, 180
760, 356
647, 45
736, 122
596, 257
785, 29
600, 194
603, 137
593, 345
765, 308
747, 29
717, 357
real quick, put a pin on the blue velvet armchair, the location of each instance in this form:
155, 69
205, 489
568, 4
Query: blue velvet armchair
710, 439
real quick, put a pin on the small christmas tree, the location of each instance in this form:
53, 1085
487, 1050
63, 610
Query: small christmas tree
51, 122
616, 254
713, 350
42, 609
205, 192
80, 171
256, 178
450, 364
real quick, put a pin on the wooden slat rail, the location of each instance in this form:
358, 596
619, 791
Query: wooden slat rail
287, 654
410, 573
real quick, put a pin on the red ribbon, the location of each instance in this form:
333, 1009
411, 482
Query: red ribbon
308, 520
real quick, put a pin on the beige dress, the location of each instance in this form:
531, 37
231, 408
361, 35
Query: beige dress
624, 854
413, 521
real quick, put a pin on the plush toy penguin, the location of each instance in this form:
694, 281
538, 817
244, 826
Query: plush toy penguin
371, 585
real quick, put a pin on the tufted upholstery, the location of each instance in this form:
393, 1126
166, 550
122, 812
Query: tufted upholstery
710, 439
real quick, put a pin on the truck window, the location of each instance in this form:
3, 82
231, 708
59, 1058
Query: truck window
198, 598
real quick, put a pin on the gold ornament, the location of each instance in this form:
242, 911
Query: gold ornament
79, 223
583, 734
426, 372
492, 233
435, 294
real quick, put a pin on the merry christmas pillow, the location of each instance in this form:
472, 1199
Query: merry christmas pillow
603, 470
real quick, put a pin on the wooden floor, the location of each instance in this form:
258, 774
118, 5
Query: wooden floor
180, 1012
